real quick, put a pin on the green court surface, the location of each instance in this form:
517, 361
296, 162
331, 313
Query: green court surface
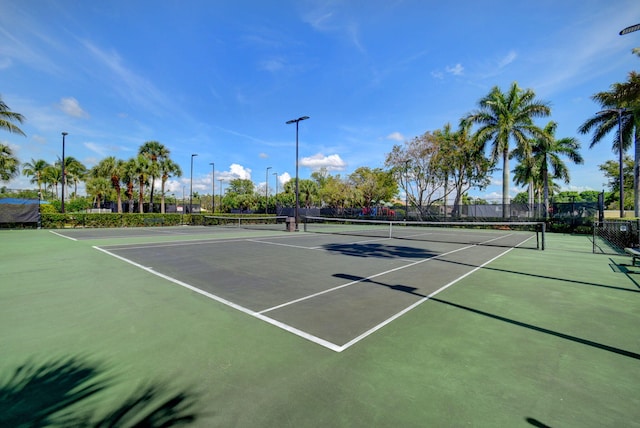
272, 329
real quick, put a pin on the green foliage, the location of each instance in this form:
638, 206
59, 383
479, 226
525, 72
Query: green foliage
59, 221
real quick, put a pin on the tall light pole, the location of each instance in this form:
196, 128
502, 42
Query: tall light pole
619, 112
64, 173
276, 197
191, 186
297, 210
266, 193
213, 185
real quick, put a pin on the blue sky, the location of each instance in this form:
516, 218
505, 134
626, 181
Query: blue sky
221, 78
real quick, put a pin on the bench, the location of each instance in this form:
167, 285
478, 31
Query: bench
634, 253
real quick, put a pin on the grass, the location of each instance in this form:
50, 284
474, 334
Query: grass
533, 339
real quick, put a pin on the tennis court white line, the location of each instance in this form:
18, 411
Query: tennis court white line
416, 304
62, 236
318, 340
311, 296
247, 311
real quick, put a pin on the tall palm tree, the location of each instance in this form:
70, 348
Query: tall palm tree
545, 158
52, 176
111, 169
99, 188
621, 96
129, 176
7, 119
503, 117
75, 172
168, 168
8, 163
35, 170
155, 152
141, 165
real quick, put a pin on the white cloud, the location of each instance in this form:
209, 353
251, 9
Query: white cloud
437, 74
71, 106
238, 171
318, 161
97, 148
263, 156
508, 59
284, 178
395, 136
456, 70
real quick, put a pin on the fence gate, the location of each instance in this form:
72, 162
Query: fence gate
612, 237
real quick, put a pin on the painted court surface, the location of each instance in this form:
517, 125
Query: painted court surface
331, 290
275, 329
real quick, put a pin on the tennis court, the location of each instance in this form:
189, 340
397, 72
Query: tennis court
271, 328
332, 288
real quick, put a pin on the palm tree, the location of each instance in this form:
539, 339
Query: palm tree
141, 166
52, 176
7, 118
545, 157
111, 169
99, 188
155, 152
623, 99
35, 169
75, 171
8, 163
128, 178
503, 117
168, 168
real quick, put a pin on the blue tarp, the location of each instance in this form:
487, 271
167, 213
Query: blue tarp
16, 201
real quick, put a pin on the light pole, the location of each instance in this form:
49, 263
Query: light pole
191, 186
213, 185
297, 210
619, 112
276, 197
266, 193
64, 134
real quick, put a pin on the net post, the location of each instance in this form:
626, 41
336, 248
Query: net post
544, 228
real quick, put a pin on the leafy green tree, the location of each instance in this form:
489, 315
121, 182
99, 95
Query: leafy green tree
8, 119
8, 163
374, 185
35, 170
611, 169
337, 193
466, 165
503, 117
416, 166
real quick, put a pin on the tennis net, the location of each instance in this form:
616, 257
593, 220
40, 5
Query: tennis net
500, 234
247, 222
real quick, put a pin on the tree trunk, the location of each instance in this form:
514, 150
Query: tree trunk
505, 185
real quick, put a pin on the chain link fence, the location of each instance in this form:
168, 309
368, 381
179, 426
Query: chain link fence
612, 237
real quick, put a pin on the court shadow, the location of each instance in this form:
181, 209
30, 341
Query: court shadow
413, 290
62, 392
371, 249
537, 423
